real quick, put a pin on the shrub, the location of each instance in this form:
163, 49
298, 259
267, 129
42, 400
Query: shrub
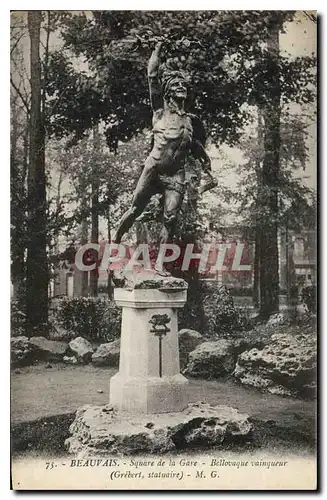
17, 319
220, 313
192, 314
96, 319
210, 310
309, 298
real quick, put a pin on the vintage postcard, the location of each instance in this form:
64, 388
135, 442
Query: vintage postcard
163, 250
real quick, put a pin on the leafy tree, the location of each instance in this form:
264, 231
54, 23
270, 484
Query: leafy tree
19, 143
86, 165
294, 197
32, 222
222, 51
18, 173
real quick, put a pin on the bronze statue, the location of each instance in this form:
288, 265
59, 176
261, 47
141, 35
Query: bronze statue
176, 134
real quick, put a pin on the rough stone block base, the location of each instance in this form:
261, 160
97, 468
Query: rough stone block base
98, 431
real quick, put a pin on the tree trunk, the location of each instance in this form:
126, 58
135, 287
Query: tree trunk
94, 275
269, 278
84, 274
259, 203
292, 288
81, 278
37, 264
256, 271
110, 287
287, 262
56, 270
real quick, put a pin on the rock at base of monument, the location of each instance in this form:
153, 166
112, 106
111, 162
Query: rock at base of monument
188, 340
107, 354
49, 350
147, 280
211, 360
287, 365
100, 430
81, 349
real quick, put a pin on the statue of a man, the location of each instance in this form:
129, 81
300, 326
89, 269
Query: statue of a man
176, 134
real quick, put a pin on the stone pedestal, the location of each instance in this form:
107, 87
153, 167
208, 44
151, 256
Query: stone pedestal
149, 379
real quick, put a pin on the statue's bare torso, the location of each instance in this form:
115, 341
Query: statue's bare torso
172, 134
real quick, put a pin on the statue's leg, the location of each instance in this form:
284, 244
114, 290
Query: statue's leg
172, 203
145, 188
172, 198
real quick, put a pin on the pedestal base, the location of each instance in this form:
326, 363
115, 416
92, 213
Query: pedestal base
101, 431
149, 379
148, 395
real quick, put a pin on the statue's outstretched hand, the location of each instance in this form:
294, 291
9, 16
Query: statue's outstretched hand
158, 46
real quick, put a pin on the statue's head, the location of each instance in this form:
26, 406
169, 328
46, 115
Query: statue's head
175, 84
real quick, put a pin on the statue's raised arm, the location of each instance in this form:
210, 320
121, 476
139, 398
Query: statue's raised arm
155, 90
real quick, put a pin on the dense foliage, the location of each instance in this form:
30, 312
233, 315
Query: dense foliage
95, 319
309, 298
18, 319
224, 53
211, 310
